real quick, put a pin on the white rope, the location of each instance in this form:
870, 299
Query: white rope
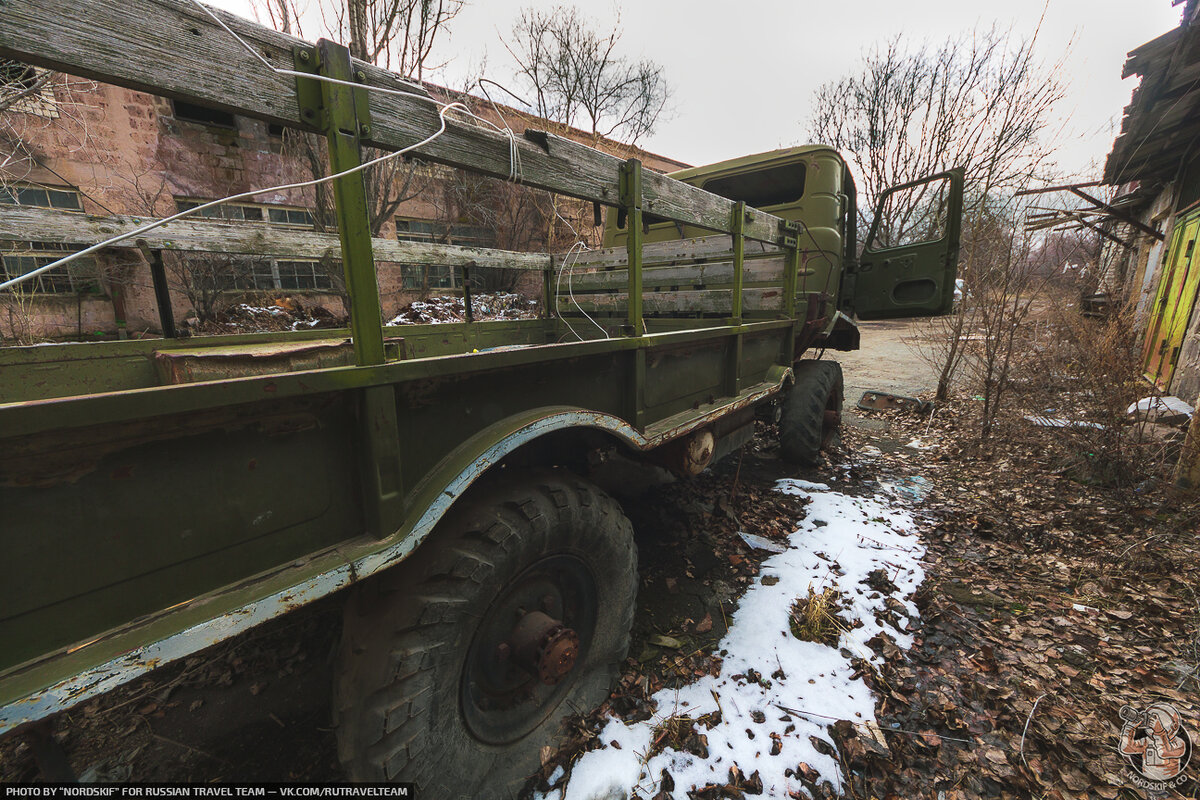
514, 171
514, 152
569, 265
443, 109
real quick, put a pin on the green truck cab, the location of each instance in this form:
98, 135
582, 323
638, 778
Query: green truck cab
908, 264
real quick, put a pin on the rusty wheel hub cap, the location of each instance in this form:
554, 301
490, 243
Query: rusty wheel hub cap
543, 647
524, 653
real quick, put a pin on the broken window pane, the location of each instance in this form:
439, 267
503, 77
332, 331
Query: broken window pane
912, 215
765, 187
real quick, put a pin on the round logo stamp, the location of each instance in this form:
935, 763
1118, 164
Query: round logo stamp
1156, 746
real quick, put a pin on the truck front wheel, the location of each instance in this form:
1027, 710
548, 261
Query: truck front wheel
459, 665
812, 412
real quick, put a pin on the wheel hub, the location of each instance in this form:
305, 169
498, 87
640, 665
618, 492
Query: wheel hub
543, 647
526, 648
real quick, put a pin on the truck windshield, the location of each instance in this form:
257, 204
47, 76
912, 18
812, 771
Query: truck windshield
772, 186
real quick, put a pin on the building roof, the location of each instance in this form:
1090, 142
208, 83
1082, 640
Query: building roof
1163, 117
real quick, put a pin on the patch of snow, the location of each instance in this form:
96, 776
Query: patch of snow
800, 687
798, 487
917, 444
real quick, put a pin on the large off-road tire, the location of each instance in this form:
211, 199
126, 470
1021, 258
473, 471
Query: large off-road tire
428, 689
812, 412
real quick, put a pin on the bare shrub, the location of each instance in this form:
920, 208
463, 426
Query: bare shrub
983, 102
1078, 376
572, 70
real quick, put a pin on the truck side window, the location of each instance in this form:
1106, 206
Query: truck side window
912, 215
765, 187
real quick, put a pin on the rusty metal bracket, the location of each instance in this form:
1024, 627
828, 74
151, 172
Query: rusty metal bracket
310, 94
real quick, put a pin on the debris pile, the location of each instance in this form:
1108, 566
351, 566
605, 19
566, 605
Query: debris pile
283, 314
500, 305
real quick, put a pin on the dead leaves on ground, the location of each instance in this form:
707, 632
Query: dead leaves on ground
1047, 606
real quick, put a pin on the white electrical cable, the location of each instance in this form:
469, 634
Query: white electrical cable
443, 108
558, 288
569, 265
514, 172
243, 196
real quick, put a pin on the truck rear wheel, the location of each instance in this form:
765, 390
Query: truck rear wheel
812, 412
459, 665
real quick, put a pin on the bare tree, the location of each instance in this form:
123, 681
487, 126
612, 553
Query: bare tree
397, 34
516, 215
981, 101
575, 76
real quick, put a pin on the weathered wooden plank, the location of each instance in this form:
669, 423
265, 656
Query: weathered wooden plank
703, 301
212, 236
172, 48
685, 276
675, 200
704, 248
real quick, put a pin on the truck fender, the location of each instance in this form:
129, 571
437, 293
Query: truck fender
436, 494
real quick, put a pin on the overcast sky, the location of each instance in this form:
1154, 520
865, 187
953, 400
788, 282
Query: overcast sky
743, 73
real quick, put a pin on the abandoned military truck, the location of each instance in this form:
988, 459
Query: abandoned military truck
440, 481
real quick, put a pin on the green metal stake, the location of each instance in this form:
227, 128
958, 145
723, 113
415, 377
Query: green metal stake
343, 114
733, 345
791, 269
791, 277
737, 227
631, 202
342, 129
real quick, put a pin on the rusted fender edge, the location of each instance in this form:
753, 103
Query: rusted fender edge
440, 495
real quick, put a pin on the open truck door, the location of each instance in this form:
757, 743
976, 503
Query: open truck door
910, 261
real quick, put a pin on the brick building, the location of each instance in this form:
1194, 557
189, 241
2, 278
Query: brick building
97, 149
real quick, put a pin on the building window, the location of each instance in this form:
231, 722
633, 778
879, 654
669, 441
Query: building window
427, 230
292, 216
20, 258
278, 274
413, 276
190, 112
64, 198
301, 275
267, 273
239, 212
